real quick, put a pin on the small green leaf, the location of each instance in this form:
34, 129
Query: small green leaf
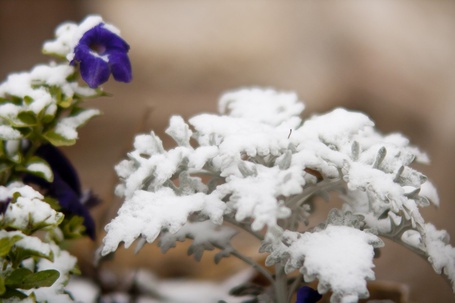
7, 243
66, 102
73, 227
53, 203
28, 118
57, 139
28, 100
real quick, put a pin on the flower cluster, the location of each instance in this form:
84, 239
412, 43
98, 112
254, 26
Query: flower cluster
262, 171
41, 200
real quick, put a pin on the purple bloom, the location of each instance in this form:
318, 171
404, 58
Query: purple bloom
65, 187
4, 205
306, 294
101, 52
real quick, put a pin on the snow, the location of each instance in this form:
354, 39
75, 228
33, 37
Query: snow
203, 235
179, 131
67, 126
28, 242
64, 263
9, 133
340, 257
256, 196
170, 212
440, 254
148, 144
428, 190
29, 210
192, 291
275, 107
42, 169
68, 34
82, 290
335, 128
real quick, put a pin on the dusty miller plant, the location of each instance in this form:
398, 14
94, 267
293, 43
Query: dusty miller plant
257, 165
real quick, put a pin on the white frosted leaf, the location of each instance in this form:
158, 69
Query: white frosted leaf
146, 214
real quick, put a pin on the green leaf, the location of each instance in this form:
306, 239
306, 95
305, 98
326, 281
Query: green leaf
66, 102
5, 165
43, 278
57, 139
73, 227
28, 100
53, 203
12, 293
15, 278
25, 279
2, 285
20, 254
28, 118
7, 243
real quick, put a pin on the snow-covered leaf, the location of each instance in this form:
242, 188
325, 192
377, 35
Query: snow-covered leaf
340, 257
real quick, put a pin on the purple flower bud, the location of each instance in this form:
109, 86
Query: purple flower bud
100, 53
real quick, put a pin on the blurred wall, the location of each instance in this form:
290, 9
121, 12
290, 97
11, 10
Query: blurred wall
393, 60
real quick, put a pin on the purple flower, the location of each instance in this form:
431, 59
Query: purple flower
4, 205
65, 187
101, 52
307, 294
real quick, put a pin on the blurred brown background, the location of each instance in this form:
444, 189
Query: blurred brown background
393, 60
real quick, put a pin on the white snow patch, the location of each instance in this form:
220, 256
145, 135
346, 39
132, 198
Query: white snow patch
340, 257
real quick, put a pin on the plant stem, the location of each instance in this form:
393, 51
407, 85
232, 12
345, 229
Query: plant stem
245, 228
281, 284
418, 252
294, 286
325, 185
248, 261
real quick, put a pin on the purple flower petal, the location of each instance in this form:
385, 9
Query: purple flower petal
307, 294
71, 203
4, 205
60, 164
120, 66
94, 70
101, 52
65, 187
